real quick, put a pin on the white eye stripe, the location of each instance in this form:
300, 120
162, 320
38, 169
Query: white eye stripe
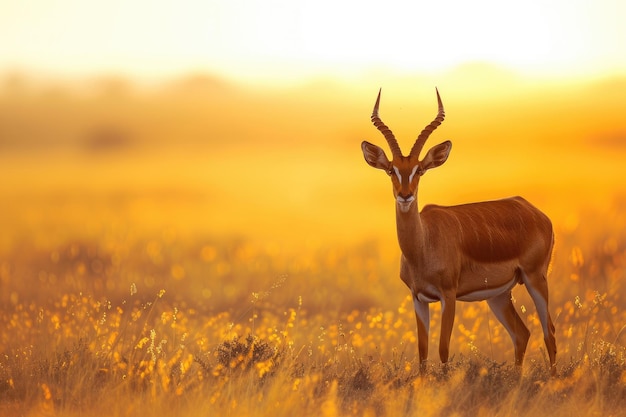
413, 172
397, 171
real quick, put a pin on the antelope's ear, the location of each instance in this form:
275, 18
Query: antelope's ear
375, 156
436, 155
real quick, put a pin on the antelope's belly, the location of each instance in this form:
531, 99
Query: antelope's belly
485, 281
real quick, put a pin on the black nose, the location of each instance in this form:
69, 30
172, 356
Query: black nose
406, 197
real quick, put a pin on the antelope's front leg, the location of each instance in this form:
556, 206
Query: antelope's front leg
448, 306
422, 317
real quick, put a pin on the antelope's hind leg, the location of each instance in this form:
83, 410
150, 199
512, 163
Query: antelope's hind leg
503, 309
537, 286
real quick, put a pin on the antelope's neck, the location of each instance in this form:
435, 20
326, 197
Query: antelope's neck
410, 233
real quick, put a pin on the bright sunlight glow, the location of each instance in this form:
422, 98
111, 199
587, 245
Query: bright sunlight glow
281, 40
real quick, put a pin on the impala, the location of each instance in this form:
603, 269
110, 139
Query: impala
469, 252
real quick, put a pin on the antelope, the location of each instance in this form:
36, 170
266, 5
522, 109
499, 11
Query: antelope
468, 252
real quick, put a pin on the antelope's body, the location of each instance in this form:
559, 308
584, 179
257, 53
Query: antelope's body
470, 252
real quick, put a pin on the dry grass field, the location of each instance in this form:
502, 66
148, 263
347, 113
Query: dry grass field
202, 250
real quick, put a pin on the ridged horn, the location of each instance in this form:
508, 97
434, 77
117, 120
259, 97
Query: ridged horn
387, 133
421, 139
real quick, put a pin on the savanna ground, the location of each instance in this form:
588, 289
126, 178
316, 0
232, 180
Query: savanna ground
145, 272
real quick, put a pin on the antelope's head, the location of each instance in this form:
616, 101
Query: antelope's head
405, 171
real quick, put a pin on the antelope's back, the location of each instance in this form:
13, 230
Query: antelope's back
491, 231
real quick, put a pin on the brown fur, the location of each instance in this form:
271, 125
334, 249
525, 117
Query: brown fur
490, 231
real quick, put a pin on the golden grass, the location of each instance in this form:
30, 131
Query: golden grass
232, 328
178, 282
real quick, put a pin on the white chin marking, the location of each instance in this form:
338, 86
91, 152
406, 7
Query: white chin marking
405, 205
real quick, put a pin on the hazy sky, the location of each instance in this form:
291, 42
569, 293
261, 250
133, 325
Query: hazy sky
286, 39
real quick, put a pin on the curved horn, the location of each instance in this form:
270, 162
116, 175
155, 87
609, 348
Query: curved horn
387, 133
421, 139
